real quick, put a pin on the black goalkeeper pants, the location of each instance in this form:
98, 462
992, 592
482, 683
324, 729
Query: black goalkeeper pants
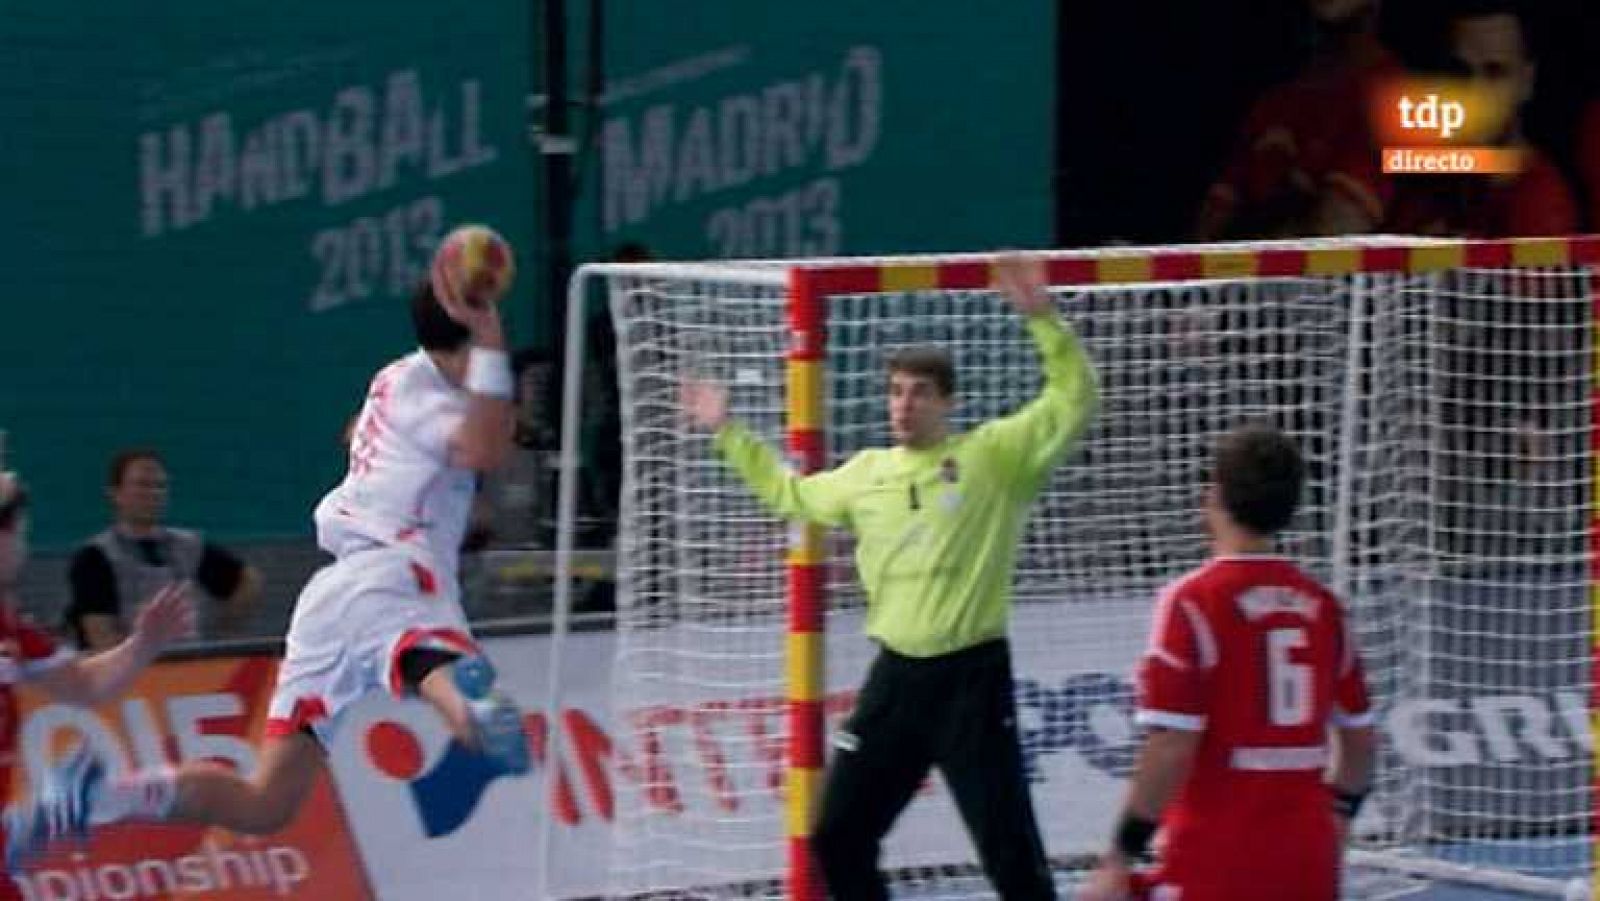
955, 712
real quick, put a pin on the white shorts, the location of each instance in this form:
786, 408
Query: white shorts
351, 623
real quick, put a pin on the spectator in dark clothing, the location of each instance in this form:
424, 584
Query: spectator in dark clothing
138, 554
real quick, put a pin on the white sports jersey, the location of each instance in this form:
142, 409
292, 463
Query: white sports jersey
400, 488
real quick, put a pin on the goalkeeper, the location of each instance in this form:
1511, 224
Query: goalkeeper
937, 520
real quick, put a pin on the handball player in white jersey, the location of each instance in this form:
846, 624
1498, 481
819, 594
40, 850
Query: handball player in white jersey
384, 616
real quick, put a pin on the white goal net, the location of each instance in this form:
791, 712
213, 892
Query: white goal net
1444, 404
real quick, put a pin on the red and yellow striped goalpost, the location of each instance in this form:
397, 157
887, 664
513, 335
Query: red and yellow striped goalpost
809, 292
807, 597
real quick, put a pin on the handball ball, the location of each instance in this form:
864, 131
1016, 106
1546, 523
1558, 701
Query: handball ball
474, 264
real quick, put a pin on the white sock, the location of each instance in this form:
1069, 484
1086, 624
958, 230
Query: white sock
144, 795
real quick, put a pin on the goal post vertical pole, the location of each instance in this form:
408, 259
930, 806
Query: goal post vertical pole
1343, 547
566, 530
805, 648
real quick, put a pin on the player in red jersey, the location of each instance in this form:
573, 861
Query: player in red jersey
1250, 675
30, 655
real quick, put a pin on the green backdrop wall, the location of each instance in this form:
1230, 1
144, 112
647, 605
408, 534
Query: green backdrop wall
215, 210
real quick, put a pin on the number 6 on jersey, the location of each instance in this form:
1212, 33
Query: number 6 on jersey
1288, 682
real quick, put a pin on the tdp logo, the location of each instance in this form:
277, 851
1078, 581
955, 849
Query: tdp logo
446, 794
1445, 126
1441, 118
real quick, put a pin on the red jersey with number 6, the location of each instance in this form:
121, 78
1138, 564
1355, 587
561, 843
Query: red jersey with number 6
1256, 655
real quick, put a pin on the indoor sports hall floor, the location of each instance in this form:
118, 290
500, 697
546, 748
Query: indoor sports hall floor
1562, 859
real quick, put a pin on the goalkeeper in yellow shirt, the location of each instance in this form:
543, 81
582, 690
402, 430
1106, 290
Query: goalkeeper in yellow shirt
937, 519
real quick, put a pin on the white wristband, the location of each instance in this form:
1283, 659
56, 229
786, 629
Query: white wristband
489, 372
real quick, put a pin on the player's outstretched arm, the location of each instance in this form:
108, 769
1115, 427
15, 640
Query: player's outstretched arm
822, 498
167, 617
1036, 436
1163, 765
483, 440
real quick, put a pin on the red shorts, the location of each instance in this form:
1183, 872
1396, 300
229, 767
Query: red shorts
1220, 864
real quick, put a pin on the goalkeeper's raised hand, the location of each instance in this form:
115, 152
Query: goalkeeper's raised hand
1021, 279
704, 402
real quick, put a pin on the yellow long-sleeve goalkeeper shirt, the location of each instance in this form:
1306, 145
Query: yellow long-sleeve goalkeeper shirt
937, 528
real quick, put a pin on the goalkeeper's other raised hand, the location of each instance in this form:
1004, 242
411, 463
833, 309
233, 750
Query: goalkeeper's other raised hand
1021, 279
704, 402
